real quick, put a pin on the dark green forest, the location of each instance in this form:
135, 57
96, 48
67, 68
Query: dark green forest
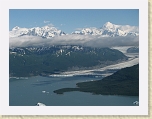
122, 82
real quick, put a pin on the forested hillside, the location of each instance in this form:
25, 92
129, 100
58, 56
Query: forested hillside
32, 61
122, 82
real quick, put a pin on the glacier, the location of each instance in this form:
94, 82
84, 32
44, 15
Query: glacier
133, 60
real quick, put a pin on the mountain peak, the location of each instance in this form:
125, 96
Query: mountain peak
15, 28
108, 25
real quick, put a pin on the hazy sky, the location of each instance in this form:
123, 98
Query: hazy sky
68, 20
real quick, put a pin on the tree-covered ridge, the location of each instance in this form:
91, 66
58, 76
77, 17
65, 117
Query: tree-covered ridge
133, 50
122, 82
37, 60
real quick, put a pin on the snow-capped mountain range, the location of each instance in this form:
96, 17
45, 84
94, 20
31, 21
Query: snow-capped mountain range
110, 30
44, 32
107, 30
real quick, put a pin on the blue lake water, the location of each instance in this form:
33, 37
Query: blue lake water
29, 91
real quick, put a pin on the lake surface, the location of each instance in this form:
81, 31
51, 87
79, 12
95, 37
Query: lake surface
29, 91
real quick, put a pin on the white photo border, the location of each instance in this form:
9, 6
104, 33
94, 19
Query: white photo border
142, 109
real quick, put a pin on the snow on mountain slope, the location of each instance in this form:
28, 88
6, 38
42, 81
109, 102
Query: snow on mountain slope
107, 30
110, 30
91, 31
17, 31
44, 32
120, 30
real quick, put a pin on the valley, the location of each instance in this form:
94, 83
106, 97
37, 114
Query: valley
57, 59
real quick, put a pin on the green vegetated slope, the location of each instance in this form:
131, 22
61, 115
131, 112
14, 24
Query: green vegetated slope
122, 82
26, 62
133, 50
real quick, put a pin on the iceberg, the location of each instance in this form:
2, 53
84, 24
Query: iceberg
40, 104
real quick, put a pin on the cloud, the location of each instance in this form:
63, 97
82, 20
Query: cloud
113, 41
75, 39
25, 41
96, 41
50, 25
62, 24
46, 21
